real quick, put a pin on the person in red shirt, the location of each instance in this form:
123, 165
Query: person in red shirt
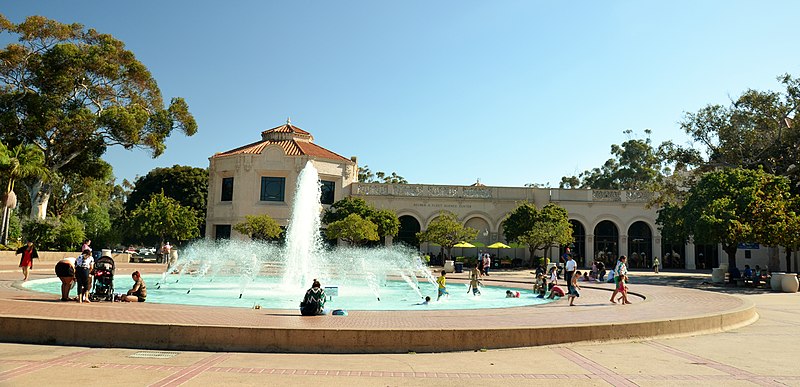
26, 261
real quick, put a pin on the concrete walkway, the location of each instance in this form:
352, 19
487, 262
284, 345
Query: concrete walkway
764, 353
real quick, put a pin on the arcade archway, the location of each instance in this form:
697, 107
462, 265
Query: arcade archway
409, 227
606, 242
640, 245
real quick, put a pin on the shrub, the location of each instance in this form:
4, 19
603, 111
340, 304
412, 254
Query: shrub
69, 234
40, 232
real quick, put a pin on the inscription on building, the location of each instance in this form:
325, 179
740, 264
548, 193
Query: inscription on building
442, 205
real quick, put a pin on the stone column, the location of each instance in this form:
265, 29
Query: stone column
622, 248
689, 263
657, 251
589, 250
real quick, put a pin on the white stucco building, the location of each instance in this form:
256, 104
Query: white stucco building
260, 177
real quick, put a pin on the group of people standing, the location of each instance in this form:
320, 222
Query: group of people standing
78, 271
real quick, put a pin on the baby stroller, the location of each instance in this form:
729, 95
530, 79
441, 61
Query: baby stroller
103, 285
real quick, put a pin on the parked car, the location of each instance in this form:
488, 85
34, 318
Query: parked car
147, 251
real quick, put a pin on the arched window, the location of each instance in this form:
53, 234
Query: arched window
578, 247
606, 242
409, 227
640, 245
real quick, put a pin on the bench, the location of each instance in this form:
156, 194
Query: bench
506, 263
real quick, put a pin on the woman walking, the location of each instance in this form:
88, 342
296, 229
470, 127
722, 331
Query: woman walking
26, 261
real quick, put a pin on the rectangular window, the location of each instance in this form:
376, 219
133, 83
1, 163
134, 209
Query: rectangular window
272, 188
227, 189
328, 189
222, 231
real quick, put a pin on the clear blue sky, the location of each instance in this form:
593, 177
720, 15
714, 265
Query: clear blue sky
445, 92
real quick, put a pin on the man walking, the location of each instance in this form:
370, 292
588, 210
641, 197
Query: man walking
571, 267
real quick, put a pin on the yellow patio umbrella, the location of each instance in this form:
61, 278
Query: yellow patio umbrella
498, 246
463, 245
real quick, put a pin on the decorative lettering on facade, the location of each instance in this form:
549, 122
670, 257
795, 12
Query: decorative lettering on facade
477, 192
441, 191
414, 190
373, 189
603, 195
441, 205
408, 190
638, 196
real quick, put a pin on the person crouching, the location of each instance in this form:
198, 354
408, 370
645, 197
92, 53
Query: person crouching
314, 301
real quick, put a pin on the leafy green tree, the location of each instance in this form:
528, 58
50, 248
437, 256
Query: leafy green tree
19, 162
447, 231
779, 222
353, 229
730, 206
636, 165
42, 232
365, 175
188, 185
73, 92
97, 225
162, 217
386, 220
87, 186
14, 230
259, 227
69, 234
671, 225
539, 229
345, 207
757, 130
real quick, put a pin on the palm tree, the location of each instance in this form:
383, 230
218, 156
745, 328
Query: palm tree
17, 163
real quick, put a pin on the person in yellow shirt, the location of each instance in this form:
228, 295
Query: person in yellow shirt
442, 281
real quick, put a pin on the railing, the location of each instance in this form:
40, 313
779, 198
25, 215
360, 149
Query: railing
471, 192
418, 190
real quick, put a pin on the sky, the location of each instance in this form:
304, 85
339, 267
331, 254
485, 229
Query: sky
442, 92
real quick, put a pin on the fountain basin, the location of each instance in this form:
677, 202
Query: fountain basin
269, 293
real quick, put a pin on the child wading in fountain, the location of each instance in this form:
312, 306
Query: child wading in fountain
474, 281
573, 288
442, 281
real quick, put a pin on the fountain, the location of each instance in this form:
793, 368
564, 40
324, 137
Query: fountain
253, 273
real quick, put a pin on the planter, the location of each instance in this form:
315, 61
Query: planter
717, 275
449, 266
775, 280
789, 283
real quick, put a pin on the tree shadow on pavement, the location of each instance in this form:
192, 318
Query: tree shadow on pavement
700, 282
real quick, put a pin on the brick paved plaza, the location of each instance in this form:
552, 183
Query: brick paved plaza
763, 353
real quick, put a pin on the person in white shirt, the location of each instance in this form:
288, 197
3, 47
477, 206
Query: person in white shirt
84, 265
571, 267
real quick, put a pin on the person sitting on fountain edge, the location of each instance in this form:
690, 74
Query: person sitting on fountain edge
314, 302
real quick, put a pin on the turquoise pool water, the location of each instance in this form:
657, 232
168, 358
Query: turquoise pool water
268, 293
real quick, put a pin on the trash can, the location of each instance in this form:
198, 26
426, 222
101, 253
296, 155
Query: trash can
459, 267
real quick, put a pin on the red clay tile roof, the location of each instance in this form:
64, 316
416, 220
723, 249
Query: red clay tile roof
290, 147
286, 128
